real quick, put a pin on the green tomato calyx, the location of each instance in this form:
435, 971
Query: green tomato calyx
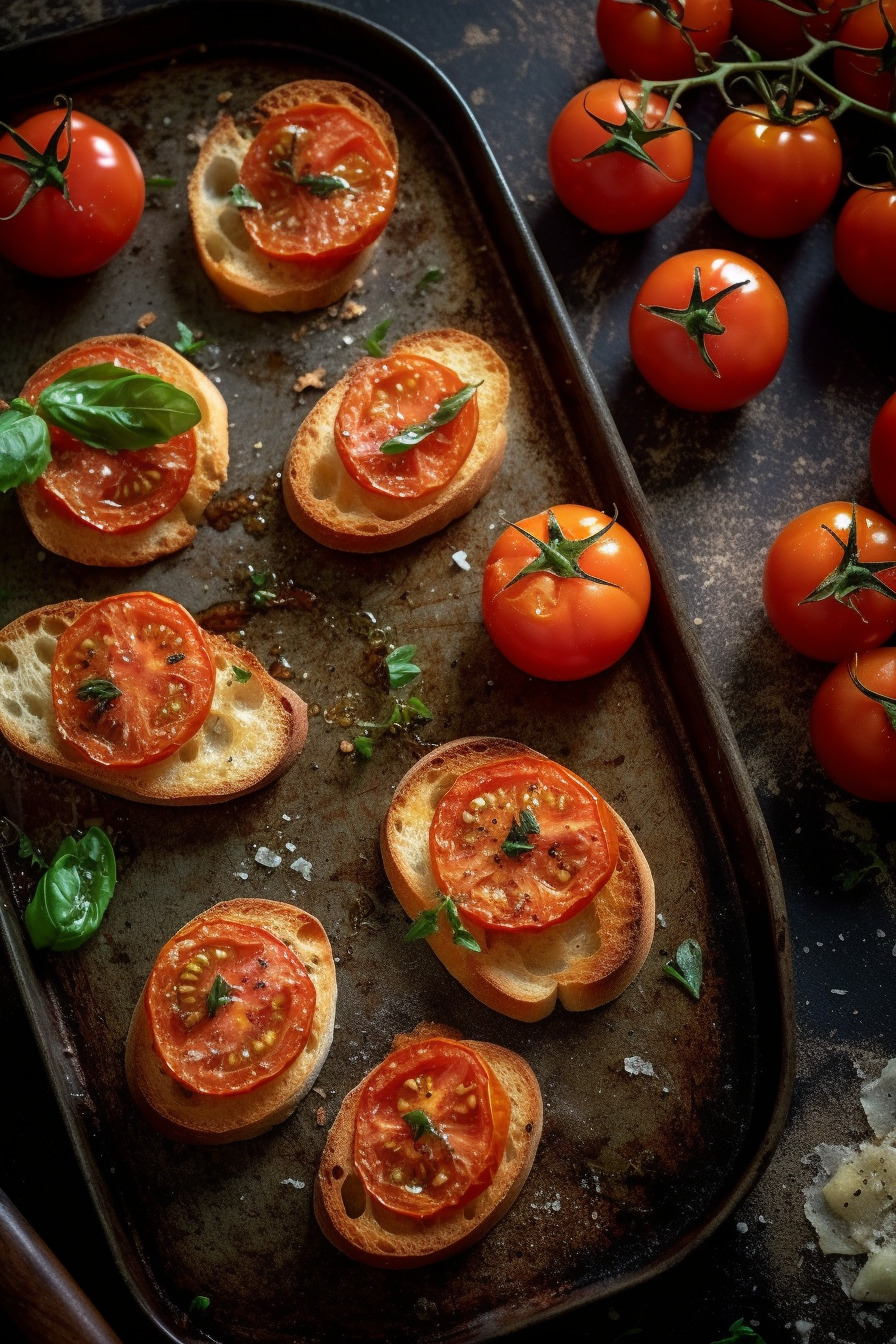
887, 703
628, 136
559, 555
699, 319
42, 168
852, 575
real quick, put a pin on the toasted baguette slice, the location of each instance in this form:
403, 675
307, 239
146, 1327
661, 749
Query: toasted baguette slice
327, 503
190, 1118
240, 272
254, 731
585, 961
75, 541
355, 1224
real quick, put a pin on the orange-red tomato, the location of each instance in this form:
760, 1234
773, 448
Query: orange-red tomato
638, 40
309, 221
865, 244
563, 627
132, 680
110, 492
431, 1128
852, 735
229, 1007
870, 79
384, 398
573, 853
776, 32
615, 192
882, 457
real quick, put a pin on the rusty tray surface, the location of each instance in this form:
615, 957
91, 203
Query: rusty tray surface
633, 1169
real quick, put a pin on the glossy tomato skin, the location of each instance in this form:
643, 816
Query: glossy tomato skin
863, 77
563, 629
802, 555
771, 180
851, 735
638, 42
882, 457
749, 352
51, 237
865, 244
778, 34
616, 193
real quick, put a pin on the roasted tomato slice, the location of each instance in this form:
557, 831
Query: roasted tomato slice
132, 680
431, 1128
229, 1006
111, 492
385, 398
294, 168
522, 844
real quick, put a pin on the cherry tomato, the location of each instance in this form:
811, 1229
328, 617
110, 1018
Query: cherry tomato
558, 625
770, 179
110, 492
777, 33
852, 735
563, 865
615, 191
385, 398
637, 39
229, 1006
882, 458
870, 79
311, 222
132, 680
431, 1128
51, 235
811, 549
743, 334
865, 244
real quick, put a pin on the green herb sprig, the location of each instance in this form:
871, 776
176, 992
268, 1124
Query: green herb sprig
160, 183
187, 343
431, 276
405, 714
101, 690
739, 1331
420, 1125
446, 411
687, 967
323, 184
399, 667
426, 924
517, 842
219, 994
241, 674
242, 198
373, 343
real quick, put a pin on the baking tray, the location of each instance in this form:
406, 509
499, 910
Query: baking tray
634, 1169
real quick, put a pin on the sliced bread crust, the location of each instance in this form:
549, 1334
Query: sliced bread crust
241, 273
330, 506
583, 962
355, 1224
69, 538
254, 731
189, 1118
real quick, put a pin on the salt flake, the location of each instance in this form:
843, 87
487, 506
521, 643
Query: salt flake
460, 559
267, 858
634, 1064
302, 867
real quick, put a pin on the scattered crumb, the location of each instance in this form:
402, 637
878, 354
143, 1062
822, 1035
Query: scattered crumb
320, 1117
225, 96
302, 867
198, 137
321, 1092
290, 1180
358, 285
314, 379
302, 331
346, 747
661, 919
267, 858
350, 310
634, 1065
460, 559
145, 321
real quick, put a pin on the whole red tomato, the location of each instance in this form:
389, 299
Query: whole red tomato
870, 79
556, 622
852, 734
599, 174
829, 584
865, 245
708, 329
637, 39
52, 235
777, 33
771, 178
882, 457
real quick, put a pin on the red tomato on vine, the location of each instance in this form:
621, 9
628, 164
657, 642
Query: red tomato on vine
865, 241
659, 39
777, 33
882, 457
853, 725
870, 79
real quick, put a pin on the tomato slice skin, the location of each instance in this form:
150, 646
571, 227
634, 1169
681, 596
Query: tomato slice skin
155, 655
574, 852
385, 397
110, 492
464, 1102
249, 1039
316, 140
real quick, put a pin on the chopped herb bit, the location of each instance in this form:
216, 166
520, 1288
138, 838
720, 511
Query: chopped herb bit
159, 183
431, 276
101, 690
199, 1306
419, 1123
687, 968
261, 590
364, 746
399, 667
218, 995
373, 343
851, 877
517, 842
739, 1331
187, 343
27, 849
175, 658
427, 923
323, 184
240, 673
242, 198
445, 412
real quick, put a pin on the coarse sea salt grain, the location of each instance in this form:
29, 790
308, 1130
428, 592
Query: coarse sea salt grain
460, 559
267, 858
634, 1064
302, 867
244, 876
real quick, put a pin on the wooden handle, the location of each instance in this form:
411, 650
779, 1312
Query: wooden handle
39, 1296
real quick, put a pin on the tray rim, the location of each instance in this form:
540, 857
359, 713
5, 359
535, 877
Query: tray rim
695, 695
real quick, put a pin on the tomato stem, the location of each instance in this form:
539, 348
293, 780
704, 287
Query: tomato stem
560, 554
699, 319
887, 703
852, 575
43, 168
628, 136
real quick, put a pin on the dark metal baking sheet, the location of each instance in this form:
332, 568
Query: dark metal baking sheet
633, 1169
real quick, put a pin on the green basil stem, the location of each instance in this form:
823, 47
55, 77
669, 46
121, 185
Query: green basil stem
73, 894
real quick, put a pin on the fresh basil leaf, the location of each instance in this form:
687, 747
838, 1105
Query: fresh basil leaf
445, 412
739, 1331
373, 343
99, 689
241, 674
25, 450
73, 894
430, 276
242, 198
517, 841
117, 410
688, 966
399, 667
200, 1305
425, 925
417, 709
459, 934
323, 184
218, 995
261, 590
419, 1123
363, 746
187, 343
159, 183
